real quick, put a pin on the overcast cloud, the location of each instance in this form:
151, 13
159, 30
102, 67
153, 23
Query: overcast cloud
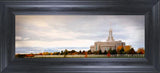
77, 30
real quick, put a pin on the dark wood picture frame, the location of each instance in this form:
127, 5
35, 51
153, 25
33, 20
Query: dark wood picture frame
149, 8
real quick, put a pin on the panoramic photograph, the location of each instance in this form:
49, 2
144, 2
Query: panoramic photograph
80, 36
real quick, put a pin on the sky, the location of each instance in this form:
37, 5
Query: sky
78, 30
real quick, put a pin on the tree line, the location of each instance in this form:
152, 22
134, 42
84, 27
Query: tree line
99, 52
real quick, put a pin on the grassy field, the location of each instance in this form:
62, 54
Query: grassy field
90, 56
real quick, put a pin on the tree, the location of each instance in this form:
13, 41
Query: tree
127, 48
111, 51
62, 52
65, 52
55, 53
108, 55
51, 53
122, 51
89, 52
58, 53
83, 51
96, 52
40, 54
105, 52
100, 51
79, 52
85, 54
20, 55
45, 53
141, 51
132, 51
73, 51
114, 51
119, 48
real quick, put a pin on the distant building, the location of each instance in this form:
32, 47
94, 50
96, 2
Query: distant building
109, 44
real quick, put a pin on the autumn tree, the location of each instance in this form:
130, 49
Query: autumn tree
127, 48
58, 53
45, 53
108, 54
65, 52
40, 54
89, 52
85, 54
122, 51
132, 51
55, 53
83, 51
79, 52
73, 51
141, 51
119, 48
62, 52
51, 53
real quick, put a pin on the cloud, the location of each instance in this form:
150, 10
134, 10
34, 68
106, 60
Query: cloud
65, 43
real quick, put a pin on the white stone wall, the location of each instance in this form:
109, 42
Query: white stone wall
106, 45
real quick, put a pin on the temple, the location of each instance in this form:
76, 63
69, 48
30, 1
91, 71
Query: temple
109, 44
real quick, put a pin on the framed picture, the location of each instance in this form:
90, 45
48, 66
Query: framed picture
79, 36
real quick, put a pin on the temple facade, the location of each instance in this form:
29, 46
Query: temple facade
109, 44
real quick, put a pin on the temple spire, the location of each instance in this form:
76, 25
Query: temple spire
110, 37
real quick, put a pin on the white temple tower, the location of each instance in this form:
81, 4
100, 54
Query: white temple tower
110, 37
109, 44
